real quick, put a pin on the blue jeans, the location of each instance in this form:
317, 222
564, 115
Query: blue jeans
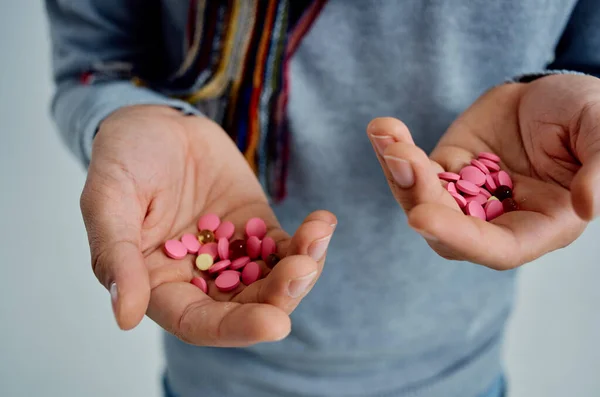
498, 389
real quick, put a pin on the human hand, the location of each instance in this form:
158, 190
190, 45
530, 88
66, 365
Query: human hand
153, 173
547, 134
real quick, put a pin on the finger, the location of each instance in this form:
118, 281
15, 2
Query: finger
113, 220
298, 271
585, 188
185, 311
508, 241
412, 178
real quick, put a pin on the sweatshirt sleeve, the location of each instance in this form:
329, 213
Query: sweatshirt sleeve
97, 45
578, 51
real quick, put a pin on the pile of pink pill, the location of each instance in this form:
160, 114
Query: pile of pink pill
230, 261
481, 189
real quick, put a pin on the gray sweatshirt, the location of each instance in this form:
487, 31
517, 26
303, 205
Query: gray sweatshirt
388, 317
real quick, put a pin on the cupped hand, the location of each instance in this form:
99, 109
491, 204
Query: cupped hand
547, 134
153, 173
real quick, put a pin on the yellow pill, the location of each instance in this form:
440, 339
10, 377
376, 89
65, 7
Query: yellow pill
204, 262
493, 198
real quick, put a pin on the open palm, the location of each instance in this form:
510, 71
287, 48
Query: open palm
546, 135
153, 173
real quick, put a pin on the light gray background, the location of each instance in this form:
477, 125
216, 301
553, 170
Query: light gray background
57, 336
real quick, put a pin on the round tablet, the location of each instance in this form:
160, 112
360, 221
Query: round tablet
239, 263
200, 283
253, 247
451, 187
449, 176
225, 230
227, 281
480, 198
485, 193
223, 248
256, 227
489, 156
251, 273
475, 209
493, 209
460, 200
209, 222
467, 187
204, 262
493, 167
210, 248
190, 241
490, 184
175, 249
268, 247
495, 178
504, 179
219, 266
473, 175
480, 165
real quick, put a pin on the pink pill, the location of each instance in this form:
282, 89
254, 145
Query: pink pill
251, 273
256, 227
225, 230
504, 179
175, 249
473, 175
480, 165
228, 281
253, 247
460, 200
223, 248
490, 183
493, 167
480, 198
268, 247
219, 266
485, 193
489, 156
493, 209
211, 249
475, 209
449, 176
209, 222
239, 263
451, 187
495, 178
190, 242
467, 187
200, 283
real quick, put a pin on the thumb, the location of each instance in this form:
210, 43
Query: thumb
113, 219
411, 175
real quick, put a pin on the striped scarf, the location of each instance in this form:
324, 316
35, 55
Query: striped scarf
237, 63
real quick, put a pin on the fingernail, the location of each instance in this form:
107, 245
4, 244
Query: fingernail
318, 248
114, 296
401, 171
381, 142
299, 286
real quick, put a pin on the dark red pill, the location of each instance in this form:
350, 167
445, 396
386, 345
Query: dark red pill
272, 260
237, 249
509, 205
503, 192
